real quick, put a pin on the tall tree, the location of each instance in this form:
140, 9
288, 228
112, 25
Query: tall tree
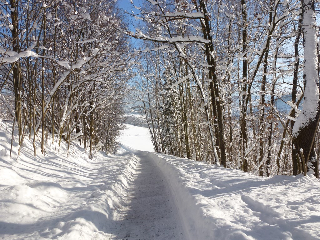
306, 125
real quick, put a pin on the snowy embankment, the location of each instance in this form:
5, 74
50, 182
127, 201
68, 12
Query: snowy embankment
224, 204
62, 195
66, 195
218, 203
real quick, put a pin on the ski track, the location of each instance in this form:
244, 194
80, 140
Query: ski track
149, 212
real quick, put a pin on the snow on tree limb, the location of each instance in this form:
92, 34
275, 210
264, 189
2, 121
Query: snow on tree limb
14, 56
193, 15
172, 40
311, 92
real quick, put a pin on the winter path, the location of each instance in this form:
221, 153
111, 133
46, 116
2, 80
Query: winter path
138, 194
149, 210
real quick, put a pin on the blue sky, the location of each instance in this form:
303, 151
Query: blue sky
124, 4
128, 7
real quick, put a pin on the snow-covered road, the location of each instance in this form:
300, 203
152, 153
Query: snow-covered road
149, 211
138, 194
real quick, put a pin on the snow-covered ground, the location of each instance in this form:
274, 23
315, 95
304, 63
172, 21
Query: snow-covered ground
62, 195
139, 194
220, 203
136, 138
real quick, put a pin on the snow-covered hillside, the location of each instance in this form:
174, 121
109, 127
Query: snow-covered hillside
62, 195
220, 203
139, 194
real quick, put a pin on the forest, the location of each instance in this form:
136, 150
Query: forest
64, 71
208, 75
215, 74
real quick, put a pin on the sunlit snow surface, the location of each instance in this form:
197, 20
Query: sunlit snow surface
220, 203
66, 195
62, 195
137, 138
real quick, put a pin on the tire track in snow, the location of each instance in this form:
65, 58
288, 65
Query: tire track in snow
150, 211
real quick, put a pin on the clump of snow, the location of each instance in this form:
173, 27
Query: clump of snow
64, 64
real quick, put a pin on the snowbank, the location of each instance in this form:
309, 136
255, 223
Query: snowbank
62, 195
218, 203
66, 195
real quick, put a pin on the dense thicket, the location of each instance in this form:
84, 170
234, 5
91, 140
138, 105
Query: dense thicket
64, 64
216, 73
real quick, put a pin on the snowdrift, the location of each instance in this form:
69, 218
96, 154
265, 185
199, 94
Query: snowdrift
62, 195
66, 195
218, 203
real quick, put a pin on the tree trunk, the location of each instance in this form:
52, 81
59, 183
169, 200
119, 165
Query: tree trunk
42, 87
294, 90
262, 134
243, 113
306, 125
17, 81
214, 87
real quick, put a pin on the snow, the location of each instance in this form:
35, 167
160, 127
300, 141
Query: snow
188, 39
14, 56
139, 194
64, 64
149, 211
62, 195
221, 203
137, 138
179, 39
311, 91
153, 2
185, 15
